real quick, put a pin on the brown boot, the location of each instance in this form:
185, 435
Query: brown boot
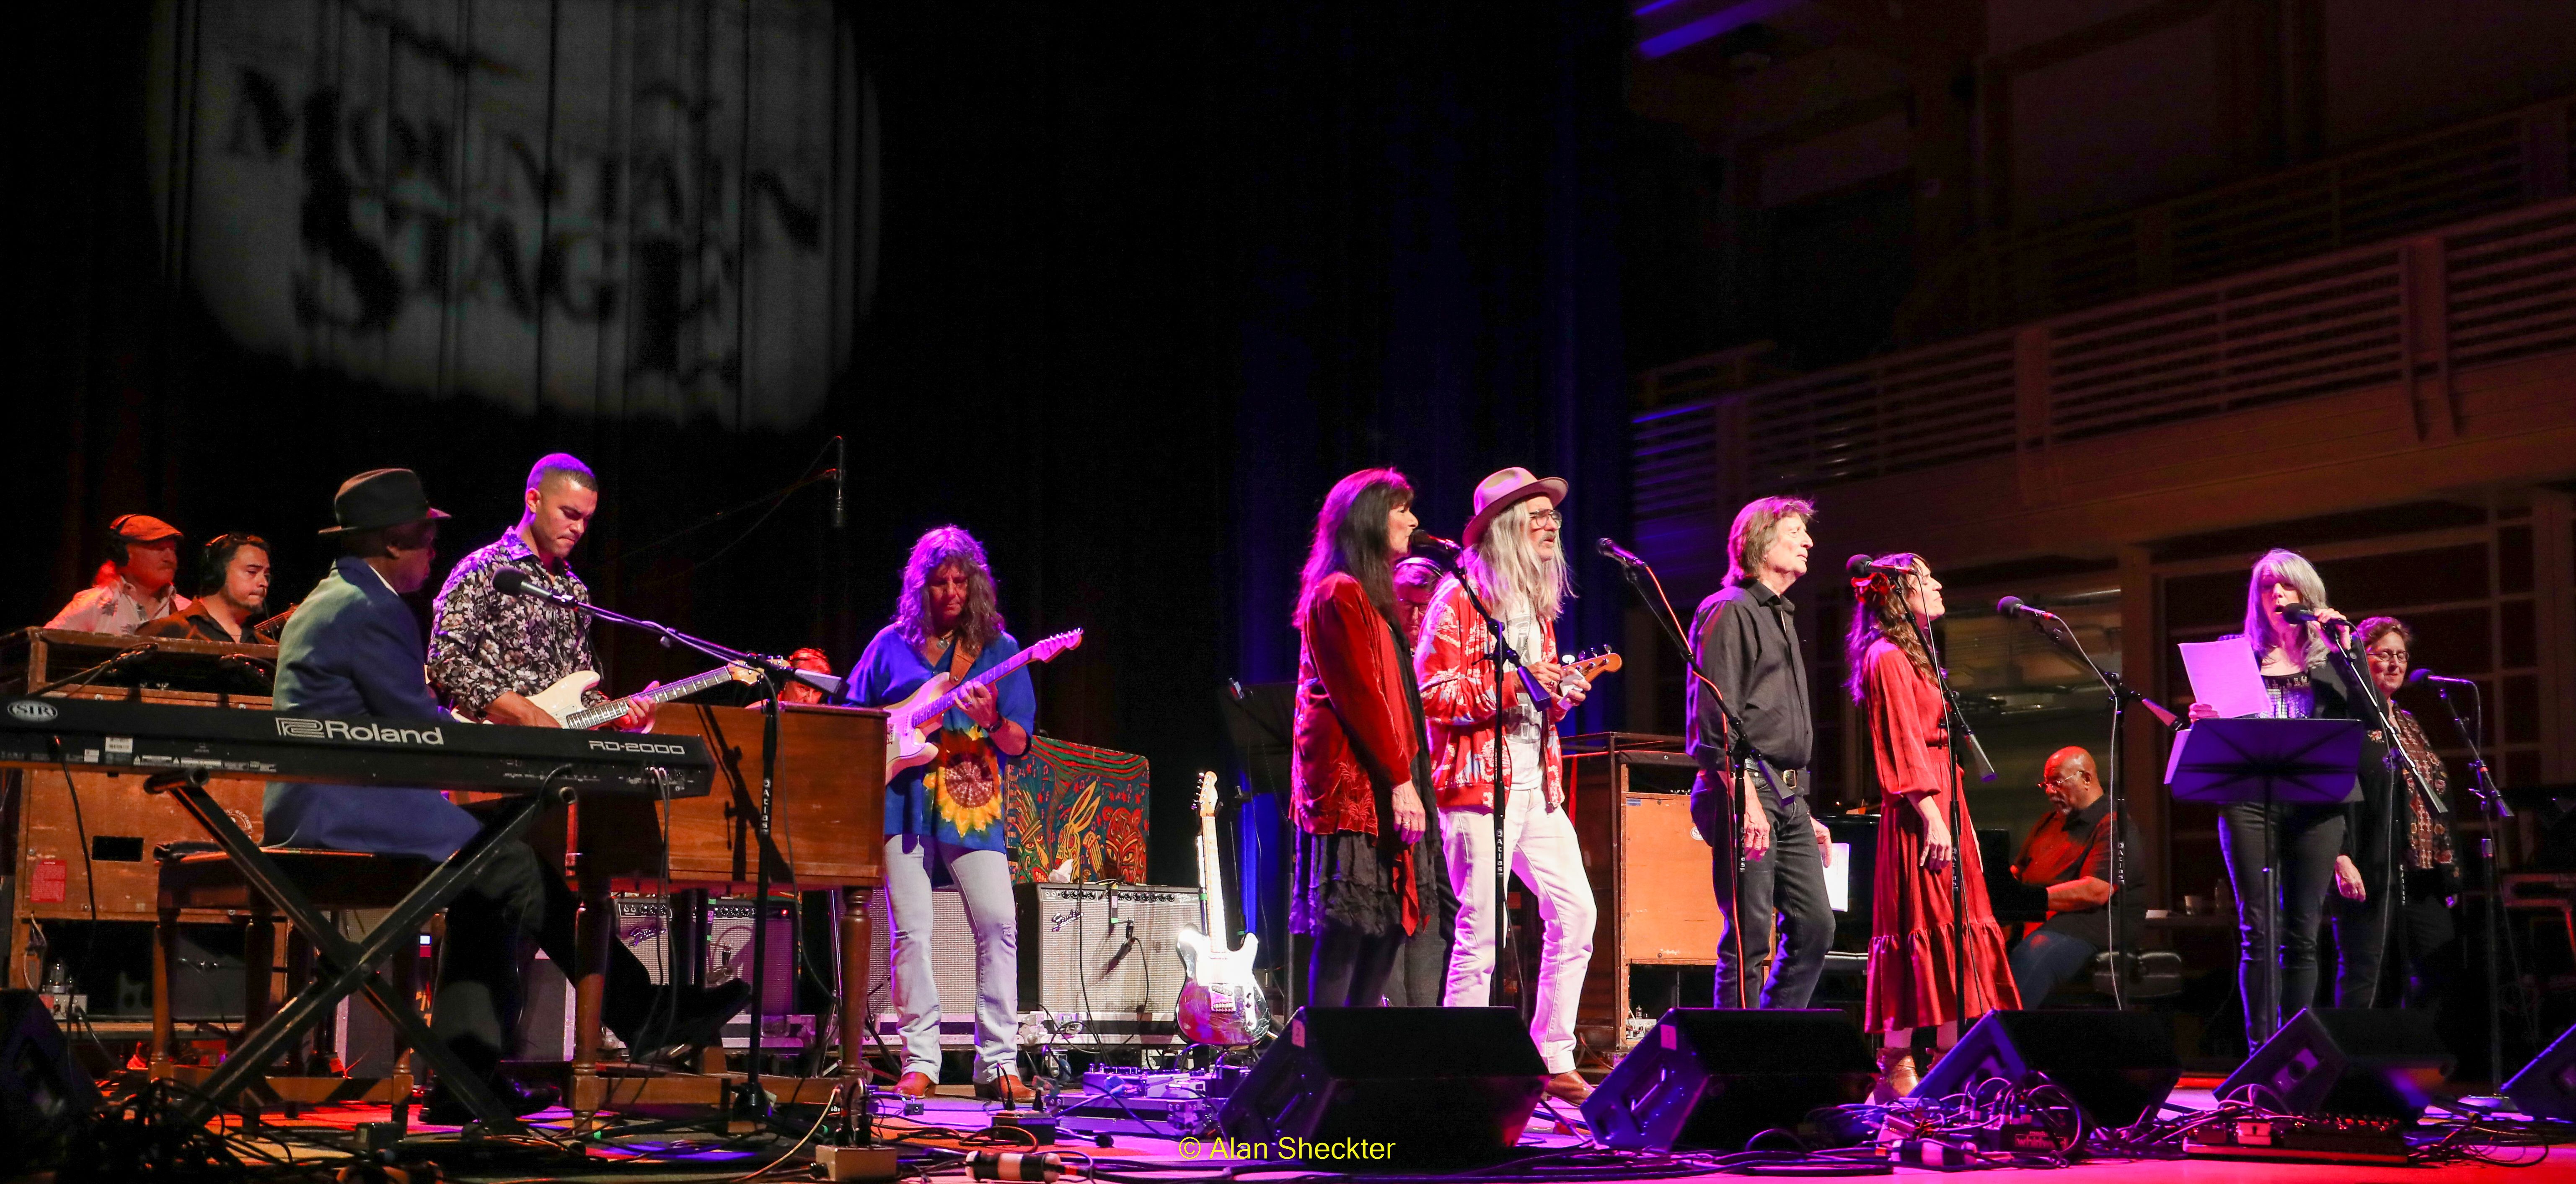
915, 1085
1570, 1087
1006, 1088
1896, 1076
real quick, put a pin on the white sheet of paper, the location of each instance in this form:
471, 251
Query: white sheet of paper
1838, 879
2224, 675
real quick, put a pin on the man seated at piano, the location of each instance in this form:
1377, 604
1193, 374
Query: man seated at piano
143, 553
354, 649
2068, 855
232, 584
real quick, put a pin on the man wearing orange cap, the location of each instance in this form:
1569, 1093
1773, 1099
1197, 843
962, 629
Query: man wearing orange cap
144, 550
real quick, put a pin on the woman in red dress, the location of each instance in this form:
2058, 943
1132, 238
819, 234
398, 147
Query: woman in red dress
1917, 940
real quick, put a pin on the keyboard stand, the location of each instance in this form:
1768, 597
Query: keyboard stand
343, 967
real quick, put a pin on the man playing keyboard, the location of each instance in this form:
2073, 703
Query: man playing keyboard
2069, 854
354, 649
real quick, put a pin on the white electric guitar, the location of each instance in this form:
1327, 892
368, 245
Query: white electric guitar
1221, 1005
911, 724
563, 699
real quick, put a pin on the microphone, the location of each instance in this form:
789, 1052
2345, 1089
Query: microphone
2299, 612
2011, 606
2419, 676
840, 464
1860, 567
1432, 546
1618, 554
511, 581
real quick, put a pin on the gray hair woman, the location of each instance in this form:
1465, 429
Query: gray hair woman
2313, 844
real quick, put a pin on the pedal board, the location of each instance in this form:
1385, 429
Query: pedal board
2331, 1140
1118, 1101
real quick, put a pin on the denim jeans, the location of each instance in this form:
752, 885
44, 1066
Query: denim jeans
1540, 845
2045, 960
1787, 885
984, 881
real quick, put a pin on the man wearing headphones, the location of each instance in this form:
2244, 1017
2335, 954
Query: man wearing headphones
144, 551
232, 583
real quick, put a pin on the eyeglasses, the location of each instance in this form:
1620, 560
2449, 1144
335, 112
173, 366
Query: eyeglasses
1547, 518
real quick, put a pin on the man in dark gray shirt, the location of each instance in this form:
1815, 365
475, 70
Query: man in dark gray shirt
1747, 641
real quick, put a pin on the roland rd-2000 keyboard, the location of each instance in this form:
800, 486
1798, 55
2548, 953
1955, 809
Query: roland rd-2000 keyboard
146, 739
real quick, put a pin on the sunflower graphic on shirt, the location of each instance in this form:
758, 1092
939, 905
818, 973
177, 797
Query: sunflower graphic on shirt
965, 781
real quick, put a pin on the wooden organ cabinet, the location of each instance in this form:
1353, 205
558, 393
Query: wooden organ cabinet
1655, 944
91, 837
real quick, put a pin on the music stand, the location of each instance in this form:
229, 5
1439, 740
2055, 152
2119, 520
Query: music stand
2267, 762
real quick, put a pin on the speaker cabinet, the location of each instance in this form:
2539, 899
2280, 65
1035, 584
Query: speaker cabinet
1650, 879
1102, 954
1410, 1086
1710, 1079
42, 1089
2546, 1088
644, 924
2346, 1061
2117, 1065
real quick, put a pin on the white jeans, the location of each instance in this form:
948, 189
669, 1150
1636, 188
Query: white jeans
1540, 845
984, 881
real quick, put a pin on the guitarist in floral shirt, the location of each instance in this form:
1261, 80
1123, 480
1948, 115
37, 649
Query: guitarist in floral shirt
951, 809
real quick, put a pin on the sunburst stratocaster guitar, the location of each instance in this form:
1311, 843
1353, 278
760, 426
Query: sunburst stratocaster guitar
911, 724
1221, 1005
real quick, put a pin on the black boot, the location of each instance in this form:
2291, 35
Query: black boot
685, 1019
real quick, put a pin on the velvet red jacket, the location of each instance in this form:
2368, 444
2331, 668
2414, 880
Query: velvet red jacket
1354, 721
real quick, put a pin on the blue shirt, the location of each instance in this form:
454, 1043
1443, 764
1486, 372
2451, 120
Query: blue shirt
957, 798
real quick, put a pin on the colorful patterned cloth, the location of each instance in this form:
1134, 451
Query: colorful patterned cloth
1076, 803
484, 642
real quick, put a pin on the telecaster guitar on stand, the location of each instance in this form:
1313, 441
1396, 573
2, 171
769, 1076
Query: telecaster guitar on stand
1221, 1005
563, 699
911, 723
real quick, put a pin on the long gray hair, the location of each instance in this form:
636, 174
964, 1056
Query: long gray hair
1510, 572
2279, 566
980, 625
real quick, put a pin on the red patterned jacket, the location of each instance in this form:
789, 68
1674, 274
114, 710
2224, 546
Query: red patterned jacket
1354, 723
1454, 661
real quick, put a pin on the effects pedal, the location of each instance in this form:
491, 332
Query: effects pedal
856, 1165
2314, 1139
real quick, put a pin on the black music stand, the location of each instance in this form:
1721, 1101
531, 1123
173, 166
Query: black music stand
2267, 762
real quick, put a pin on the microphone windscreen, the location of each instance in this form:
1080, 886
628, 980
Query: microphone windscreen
510, 580
2008, 605
2416, 677
1857, 567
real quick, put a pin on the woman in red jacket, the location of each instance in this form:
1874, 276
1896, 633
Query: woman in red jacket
1917, 937
1364, 868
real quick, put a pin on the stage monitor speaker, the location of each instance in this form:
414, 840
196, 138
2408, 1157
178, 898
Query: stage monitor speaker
1710, 1079
2345, 1061
2117, 1065
1436, 1086
42, 1089
2546, 1088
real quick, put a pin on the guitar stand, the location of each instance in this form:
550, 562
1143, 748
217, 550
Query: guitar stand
346, 967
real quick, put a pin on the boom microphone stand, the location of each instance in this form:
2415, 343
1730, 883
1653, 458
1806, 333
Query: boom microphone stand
775, 674
1539, 700
2490, 797
1956, 720
2056, 629
1743, 759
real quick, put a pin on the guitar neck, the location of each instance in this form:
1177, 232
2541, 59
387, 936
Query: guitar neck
591, 717
1211, 882
939, 706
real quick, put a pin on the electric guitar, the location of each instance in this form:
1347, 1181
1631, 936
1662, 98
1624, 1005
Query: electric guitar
563, 699
911, 723
1221, 1004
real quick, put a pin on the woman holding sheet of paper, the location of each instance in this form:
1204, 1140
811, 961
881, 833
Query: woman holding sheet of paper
2314, 842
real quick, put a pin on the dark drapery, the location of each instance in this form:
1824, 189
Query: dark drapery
1121, 289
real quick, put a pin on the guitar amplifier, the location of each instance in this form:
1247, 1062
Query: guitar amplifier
643, 924
1102, 954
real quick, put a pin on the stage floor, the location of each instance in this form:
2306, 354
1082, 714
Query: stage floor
634, 1152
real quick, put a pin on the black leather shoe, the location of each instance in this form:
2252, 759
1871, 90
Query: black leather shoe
445, 1108
690, 1018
